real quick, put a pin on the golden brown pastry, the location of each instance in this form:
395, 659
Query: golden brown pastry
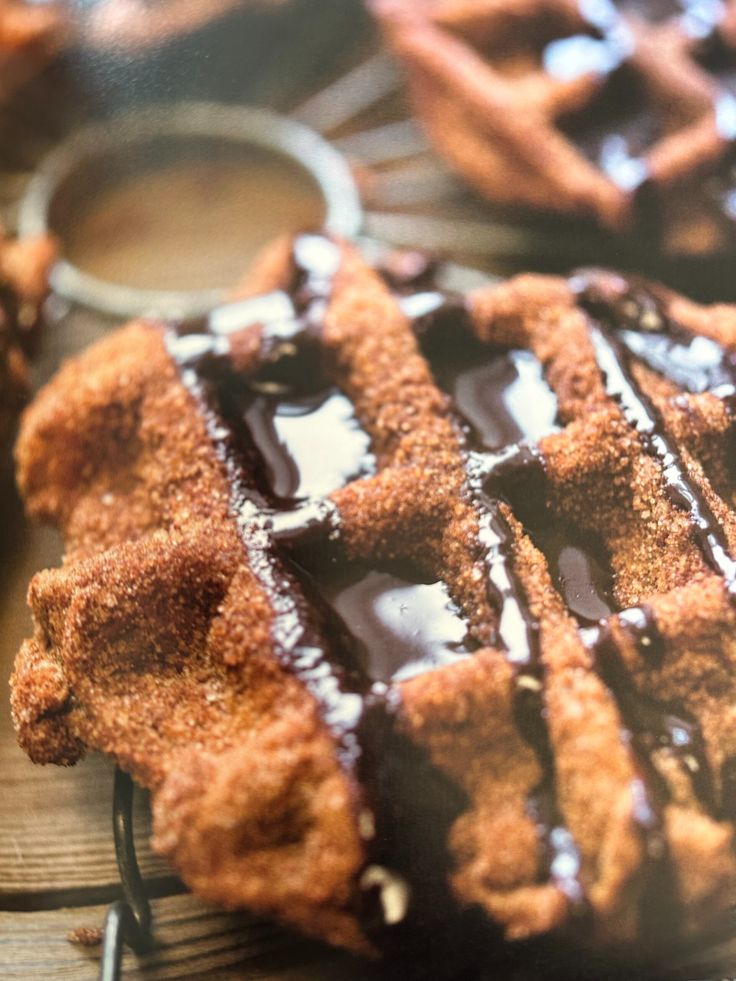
413, 611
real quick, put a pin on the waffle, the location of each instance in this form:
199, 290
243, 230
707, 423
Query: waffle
624, 114
413, 610
23, 286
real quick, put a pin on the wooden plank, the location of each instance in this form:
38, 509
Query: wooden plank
56, 835
196, 941
193, 940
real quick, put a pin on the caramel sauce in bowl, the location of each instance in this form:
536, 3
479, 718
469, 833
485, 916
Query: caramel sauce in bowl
159, 211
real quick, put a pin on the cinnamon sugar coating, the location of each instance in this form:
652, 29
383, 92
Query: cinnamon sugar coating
156, 640
619, 112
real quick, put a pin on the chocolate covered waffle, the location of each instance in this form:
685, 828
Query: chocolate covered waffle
414, 611
23, 286
624, 113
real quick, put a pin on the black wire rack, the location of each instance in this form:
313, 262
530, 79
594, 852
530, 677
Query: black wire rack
128, 920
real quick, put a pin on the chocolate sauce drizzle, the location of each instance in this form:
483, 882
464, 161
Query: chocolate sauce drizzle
402, 623
659, 908
641, 413
518, 636
635, 326
360, 705
617, 129
481, 383
637, 312
614, 358
203, 353
628, 321
358, 697
671, 729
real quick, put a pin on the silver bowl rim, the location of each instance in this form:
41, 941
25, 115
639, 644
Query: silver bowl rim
248, 125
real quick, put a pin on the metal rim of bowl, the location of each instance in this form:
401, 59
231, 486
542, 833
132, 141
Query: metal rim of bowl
246, 125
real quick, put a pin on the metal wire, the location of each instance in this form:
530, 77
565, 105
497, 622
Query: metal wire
128, 920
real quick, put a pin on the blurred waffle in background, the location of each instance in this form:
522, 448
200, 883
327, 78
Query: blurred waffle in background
621, 115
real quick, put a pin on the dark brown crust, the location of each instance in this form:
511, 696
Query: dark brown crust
152, 642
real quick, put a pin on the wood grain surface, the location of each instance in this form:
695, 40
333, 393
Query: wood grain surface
192, 940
